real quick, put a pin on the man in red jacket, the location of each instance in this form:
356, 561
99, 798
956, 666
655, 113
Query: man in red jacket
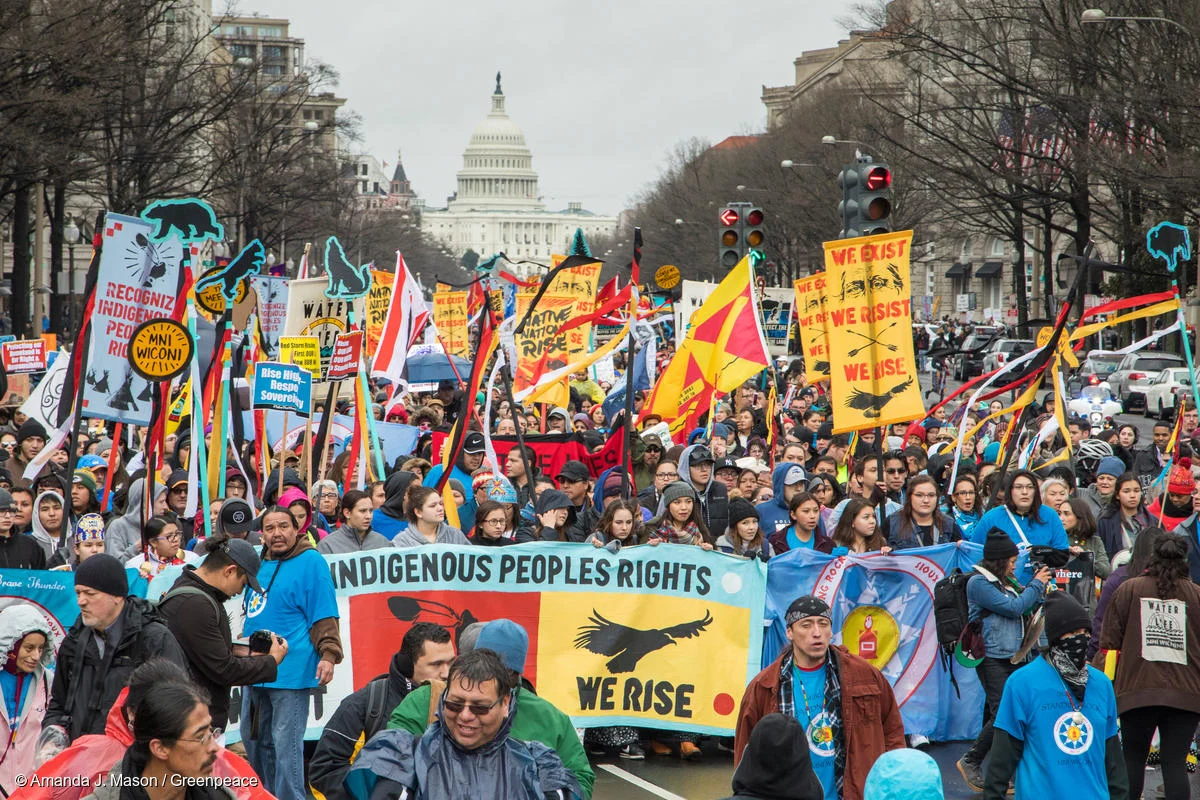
844, 704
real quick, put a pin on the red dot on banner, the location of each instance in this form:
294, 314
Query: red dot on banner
723, 704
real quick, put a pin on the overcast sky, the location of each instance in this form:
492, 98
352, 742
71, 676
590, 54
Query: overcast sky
602, 90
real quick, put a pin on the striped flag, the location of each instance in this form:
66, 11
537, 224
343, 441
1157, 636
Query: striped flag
406, 317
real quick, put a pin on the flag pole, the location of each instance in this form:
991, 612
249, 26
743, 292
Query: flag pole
630, 353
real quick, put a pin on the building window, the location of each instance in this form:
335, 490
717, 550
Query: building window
271, 32
363, 184
998, 247
272, 51
364, 170
965, 253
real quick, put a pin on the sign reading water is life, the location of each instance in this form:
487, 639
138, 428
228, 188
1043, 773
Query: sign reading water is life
286, 387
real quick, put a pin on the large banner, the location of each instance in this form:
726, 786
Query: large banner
572, 294
138, 280
873, 368
450, 319
814, 326
311, 313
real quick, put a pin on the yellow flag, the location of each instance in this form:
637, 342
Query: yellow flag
873, 373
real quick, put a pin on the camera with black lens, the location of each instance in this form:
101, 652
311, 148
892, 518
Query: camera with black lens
261, 641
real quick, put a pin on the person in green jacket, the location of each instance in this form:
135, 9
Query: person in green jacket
536, 719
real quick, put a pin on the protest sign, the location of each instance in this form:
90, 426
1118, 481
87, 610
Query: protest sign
814, 321
271, 306
138, 279
42, 403
311, 313
285, 387
347, 352
378, 298
160, 349
27, 355
873, 375
450, 319
776, 306
304, 351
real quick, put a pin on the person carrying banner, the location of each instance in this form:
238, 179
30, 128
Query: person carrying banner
805, 532
998, 604
426, 512
1022, 516
696, 469
114, 633
299, 604
425, 655
1056, 728
1154, 622
844, 704
354, 535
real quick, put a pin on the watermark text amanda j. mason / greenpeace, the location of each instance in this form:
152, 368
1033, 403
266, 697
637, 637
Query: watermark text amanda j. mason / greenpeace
62, 781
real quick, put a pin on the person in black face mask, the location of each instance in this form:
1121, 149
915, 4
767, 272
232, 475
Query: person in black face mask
1056, 729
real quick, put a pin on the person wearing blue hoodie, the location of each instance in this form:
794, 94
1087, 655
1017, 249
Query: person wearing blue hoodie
696, 469
1023, 517
787, 480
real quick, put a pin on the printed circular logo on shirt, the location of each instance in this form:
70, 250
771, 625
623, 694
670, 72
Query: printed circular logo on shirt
820, 735
1073, 733
256, 605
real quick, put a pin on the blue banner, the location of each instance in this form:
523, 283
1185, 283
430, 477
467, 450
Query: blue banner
883, 611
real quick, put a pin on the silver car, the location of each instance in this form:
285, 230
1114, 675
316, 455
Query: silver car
1131, 378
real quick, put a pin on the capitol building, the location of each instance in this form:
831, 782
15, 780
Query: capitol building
497, 207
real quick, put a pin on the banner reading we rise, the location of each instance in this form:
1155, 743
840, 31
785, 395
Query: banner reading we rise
873, 373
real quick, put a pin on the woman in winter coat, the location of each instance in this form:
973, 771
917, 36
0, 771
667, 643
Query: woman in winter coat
999, 604
620, 526
679, 519
1126, 516
123, 536
745, 536
807, 530
426, 520
1154, 621
27, 647
1077, 519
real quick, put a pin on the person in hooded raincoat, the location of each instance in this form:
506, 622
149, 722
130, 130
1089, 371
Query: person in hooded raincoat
27, 647
776, 764
123, 535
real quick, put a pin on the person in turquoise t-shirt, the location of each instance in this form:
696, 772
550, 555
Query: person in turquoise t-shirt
1056, 729
1023, 517
298, 603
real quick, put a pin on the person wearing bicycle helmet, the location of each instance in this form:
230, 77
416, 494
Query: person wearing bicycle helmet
1088, 456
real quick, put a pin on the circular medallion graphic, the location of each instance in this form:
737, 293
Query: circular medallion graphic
870, 632
820, 735
1073, 734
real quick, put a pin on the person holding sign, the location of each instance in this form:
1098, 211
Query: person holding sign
1154, 621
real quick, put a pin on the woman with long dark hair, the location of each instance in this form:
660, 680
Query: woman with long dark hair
1126, 517
858, 530
426, 513
161, 547
354, 534
620, 525
965, 503
1022, 516
1080, 525
1154, 621
919, 522
1139, 559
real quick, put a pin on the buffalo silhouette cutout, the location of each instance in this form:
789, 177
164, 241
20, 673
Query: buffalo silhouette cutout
1169, 242
628, 645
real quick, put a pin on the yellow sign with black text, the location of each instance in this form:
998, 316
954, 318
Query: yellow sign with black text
814, 323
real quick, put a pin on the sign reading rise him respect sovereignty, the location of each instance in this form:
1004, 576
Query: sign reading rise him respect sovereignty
873, 375
814, 323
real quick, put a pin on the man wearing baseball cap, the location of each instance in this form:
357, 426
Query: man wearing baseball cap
194, 608
469, 460
582, 517
842, 701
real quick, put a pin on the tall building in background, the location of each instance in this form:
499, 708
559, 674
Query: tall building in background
497, 207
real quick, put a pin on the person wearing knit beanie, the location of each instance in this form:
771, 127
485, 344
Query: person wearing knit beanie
105, 574
745, 537
1064, 615
740, 509
1176, 505
999, 546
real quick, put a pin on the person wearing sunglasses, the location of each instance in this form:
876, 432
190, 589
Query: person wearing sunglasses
471, 742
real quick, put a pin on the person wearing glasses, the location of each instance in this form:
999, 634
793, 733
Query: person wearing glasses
895, 474
920, 523
647, 463
665, 473
174, 749
162, 545
17, 551
470, 743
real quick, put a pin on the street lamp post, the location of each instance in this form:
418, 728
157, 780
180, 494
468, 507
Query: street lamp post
1097, 16
70, 236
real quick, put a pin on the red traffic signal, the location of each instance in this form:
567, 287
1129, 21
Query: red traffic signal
755, 217
728, 217
878, 178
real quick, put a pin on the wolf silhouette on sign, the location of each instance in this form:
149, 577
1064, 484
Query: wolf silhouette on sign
248, 262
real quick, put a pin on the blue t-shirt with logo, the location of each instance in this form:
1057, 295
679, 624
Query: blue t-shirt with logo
299, 591
1062, 754
810, 684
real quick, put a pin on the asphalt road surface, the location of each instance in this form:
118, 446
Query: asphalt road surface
669, 778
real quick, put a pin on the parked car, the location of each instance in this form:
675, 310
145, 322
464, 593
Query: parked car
1096, 404
1095, 368
1165, 390
1131, 378
968, 362
1004, 350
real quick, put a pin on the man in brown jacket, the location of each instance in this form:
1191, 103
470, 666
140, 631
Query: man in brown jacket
845, 705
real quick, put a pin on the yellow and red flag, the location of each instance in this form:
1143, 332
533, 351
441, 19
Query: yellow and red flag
723, 349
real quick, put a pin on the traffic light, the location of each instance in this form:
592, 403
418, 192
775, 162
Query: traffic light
730, 242
875, 199
754, 232
848, 208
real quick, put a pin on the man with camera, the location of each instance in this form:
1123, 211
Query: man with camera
195, 613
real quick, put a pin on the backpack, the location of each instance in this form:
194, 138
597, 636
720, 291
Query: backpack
377, 710
955, 629
182, 590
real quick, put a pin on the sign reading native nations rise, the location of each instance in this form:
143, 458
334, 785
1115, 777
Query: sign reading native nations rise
814, 321
138, 280
27, 355
873, 375
571, 294
379, 296
450, 319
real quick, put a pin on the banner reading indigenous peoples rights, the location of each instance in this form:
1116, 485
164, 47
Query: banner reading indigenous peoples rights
873, 374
